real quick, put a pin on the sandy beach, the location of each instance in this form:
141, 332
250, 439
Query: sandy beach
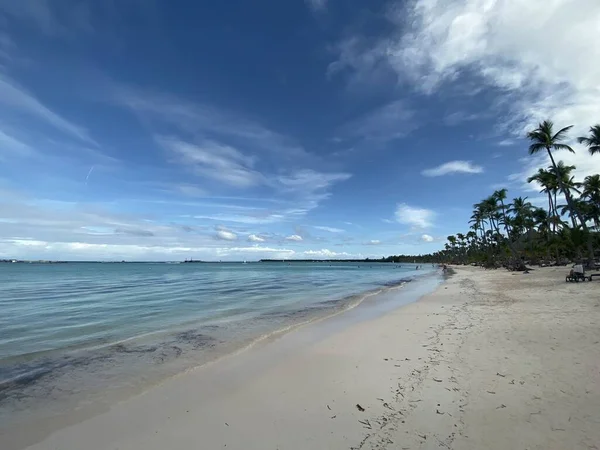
492, 359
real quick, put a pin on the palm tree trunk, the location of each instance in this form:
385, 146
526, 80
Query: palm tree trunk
550, 211
573, 209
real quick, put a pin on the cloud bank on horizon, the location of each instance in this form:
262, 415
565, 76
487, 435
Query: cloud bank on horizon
146, 131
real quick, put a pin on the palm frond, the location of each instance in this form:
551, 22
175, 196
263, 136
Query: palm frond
536, 147
560, 135
563, 147
585, 141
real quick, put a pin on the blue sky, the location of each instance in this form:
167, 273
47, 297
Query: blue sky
153, 130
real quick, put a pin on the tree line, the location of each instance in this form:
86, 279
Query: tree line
504, 232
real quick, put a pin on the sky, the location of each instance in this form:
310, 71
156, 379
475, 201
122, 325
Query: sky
240, 130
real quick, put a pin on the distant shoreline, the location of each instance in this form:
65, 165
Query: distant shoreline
383, 260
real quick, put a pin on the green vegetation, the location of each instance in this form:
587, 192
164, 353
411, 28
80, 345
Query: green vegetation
508, 234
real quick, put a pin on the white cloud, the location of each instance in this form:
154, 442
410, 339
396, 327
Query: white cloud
294, 237
51, 229
278, 252
329, 229
534, 54
28, 242
255, 238
226, 235
15, 98
78, 251
416, 217
374, 242
507, 142
325, 253
427, 238
453, 167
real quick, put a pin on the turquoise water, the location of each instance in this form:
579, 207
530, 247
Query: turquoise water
71, 329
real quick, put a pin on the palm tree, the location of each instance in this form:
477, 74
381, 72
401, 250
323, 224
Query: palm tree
549, 184
500, 196
591, 192
592, 142
563, 173
544, 138
521, 209
591, 188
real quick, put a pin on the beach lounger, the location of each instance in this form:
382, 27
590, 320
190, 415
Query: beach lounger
576, 277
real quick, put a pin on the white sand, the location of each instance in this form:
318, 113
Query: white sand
491, 360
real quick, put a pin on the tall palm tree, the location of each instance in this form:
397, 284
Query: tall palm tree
549, 186
591, 192
592, 142
563, 173
500, 196
477, 222
544, 138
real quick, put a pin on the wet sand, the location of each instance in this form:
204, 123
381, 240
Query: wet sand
490, 360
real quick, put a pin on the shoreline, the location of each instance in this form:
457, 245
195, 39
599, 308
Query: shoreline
341, 307
491, 359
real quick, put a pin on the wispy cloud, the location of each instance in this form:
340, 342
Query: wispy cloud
156, 109
452, 167
73, 18
255, 238
374, 242
294, 237
38, 12
7, 48
317, 5
414, 216
427, 238
9, 144
305, 180
214, 160
459, 117
17, 99
391, 121
329, 229
190, 190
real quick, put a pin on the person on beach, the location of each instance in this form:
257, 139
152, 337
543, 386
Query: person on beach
577, 269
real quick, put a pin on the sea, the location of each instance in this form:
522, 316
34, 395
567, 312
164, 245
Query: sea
80, 336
